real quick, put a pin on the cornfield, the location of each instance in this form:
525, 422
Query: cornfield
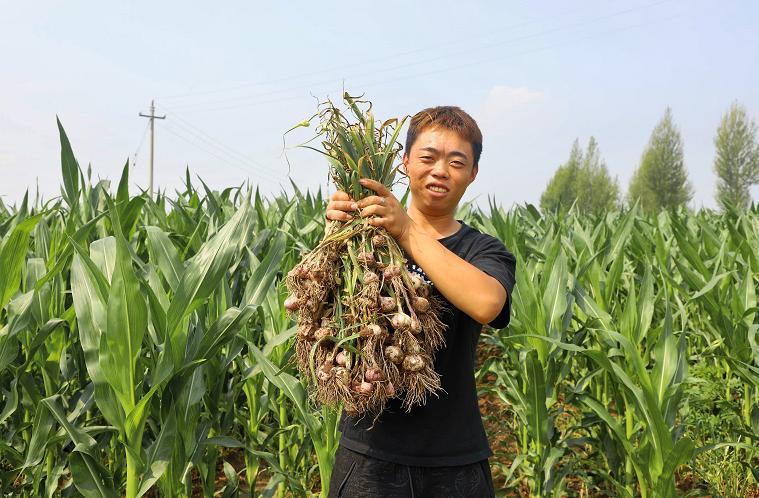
145, 349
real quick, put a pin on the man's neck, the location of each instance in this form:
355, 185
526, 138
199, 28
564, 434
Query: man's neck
434, 225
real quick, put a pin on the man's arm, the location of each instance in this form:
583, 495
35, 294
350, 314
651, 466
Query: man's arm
468, 288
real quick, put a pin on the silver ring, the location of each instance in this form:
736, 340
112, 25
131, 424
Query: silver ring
382, 201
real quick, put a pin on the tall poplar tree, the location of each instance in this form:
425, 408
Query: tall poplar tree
737, 160
584, 178
661, 180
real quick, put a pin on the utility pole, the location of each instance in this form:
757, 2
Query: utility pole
152, 117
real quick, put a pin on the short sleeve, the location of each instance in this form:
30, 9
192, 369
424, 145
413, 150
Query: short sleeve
492, 257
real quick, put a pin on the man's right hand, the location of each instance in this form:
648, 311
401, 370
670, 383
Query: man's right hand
340, 206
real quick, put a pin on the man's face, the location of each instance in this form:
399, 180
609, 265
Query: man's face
440, 166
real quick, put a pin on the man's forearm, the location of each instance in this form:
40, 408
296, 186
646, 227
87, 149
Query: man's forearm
467, 287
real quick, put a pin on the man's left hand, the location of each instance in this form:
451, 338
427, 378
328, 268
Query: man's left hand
386, 210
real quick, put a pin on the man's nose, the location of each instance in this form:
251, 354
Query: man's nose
440, 169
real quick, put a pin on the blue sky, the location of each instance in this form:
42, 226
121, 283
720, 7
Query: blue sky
233, 77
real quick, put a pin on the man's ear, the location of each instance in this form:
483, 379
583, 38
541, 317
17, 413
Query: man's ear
404, 165
475, 170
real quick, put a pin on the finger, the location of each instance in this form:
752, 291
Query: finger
340, 196
336, 215
374, 209
372, 199
377, 222
346, 206
376, 186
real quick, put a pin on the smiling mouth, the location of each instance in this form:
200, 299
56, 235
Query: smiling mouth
440, 190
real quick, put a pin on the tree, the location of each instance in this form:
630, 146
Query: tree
560, 191
583, 179
737, 159
661, 180
596, 190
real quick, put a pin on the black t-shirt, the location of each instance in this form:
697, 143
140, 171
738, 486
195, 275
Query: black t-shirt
448, 429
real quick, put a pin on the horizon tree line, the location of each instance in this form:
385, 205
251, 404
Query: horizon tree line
660, 180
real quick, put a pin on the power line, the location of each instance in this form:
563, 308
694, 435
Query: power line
289, 98
244, 100
373, 62
222, 154
239, 157
179, 118
371, 83
491, 59
224, 160
199, 134
142, 141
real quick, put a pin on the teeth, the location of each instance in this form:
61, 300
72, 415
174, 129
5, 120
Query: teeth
438, 189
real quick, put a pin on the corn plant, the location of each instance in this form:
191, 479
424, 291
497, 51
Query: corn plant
145, 347
544, 307
627, 363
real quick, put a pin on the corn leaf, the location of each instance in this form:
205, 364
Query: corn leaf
164, 255
126, 324
69, 168
159, 454
12, 254
202, 275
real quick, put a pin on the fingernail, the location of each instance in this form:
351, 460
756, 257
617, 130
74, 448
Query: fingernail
354, 206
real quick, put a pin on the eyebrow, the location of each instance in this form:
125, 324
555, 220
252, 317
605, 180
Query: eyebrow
452, 153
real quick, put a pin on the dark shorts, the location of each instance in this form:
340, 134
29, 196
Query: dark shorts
359, 476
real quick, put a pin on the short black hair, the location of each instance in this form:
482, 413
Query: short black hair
450, 118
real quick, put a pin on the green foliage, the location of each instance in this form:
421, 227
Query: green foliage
737, 160
127, 333
583, 180
661, 180
612, 394
143, 340
710, 417
355, 145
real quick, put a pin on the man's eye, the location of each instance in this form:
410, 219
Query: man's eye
458, 164
425, 158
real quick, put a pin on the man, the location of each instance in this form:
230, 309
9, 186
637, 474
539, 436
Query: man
439, 449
